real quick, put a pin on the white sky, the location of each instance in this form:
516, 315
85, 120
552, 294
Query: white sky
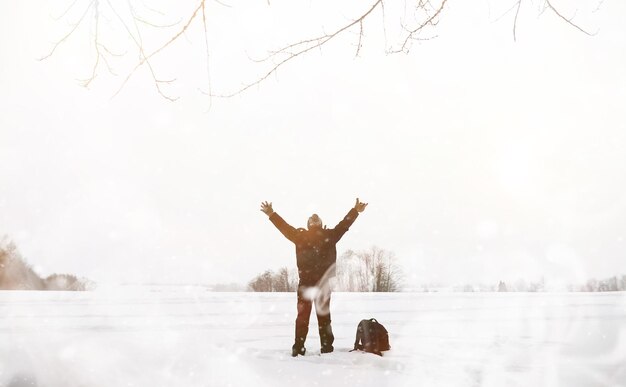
482, 158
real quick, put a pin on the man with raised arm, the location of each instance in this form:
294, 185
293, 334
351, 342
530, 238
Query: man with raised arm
316, 254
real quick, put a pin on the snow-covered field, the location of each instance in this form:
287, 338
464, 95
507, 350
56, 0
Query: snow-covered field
186, 336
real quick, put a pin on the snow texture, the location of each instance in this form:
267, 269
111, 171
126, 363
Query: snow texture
187, 336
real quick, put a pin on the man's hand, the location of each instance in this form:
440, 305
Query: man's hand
267, 209
360, 206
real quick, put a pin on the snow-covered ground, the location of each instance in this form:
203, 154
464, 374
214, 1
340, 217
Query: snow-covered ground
187, 336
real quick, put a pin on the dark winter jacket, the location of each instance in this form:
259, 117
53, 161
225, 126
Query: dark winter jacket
316, 248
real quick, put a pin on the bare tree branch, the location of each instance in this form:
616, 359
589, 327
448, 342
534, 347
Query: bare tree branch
519, 4
144, 59
63, 39
506, 12
419, 20
224, 4
151, 9
105, 48
382, 9
65, 12
301, 48
359, 44
599, 6
144, 21
568, 21
208, 65
135, 21
140, 19
432, 20
106, 61
96, 44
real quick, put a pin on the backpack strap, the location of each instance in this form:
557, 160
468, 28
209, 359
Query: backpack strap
358, 341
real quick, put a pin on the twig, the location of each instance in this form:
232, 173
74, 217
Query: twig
152, 9
430, 21
96, 44
137, 18
105, 48
63, 39
106, 62
382, 8
141, 20
358, 46
506, 12
599, 6
424, 15
519, 4
224, 4
146, 58
65, 12
568, 21
301, 47
208, 57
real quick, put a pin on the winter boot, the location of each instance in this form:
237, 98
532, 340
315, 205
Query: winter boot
326, 338
297, 350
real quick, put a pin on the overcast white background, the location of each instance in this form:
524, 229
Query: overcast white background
482, 158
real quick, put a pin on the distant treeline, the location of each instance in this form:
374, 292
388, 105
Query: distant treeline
17, 274
612, 284
372, 270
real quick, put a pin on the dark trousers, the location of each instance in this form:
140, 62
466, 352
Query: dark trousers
321, 298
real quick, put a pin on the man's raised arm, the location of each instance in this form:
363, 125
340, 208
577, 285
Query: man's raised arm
288, 231
343, 226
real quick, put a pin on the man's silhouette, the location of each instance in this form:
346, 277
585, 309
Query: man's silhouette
316, 253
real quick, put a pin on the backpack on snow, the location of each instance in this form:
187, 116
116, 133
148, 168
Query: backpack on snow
371, 336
